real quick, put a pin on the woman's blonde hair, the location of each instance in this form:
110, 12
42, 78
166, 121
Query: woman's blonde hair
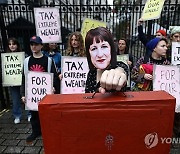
81, 48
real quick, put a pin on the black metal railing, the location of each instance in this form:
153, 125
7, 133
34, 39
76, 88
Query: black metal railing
17, 19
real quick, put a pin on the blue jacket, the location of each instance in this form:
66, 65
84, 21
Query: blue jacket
56, 57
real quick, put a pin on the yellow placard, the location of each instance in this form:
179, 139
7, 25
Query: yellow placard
90, 24
152, 9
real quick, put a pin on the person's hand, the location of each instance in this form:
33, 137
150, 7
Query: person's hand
60, 76
53, 90
23, 99
129, 63
140, 22
112, 79
148, 76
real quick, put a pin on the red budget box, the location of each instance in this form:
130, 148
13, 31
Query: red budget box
131, 122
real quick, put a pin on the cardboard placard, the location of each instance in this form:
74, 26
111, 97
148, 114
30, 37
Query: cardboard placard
37, 85
12, 65
152, 9
166, 77
90, 24
47, 23
74, 70
175, 53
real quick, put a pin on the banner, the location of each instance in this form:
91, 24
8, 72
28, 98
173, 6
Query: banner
175, 53
166, 78
47, 23
90, 24
74, 70
12, 65
152, 9
37, 85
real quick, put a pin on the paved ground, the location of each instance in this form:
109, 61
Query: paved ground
13, 136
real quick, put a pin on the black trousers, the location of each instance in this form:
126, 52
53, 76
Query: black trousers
176, 129
35, 123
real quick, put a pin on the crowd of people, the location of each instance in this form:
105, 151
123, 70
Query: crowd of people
100, 50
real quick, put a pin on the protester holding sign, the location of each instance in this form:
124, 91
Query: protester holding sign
143, 38
174, 37
14, 46
142, 72
51, 50
75, 45
101, 56
36, 62
123, 48
175, 33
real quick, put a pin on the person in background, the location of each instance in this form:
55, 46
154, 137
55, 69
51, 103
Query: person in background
37, 62
175, 33
123, 48
75, 45
101, 57
14, 46
142, 72
51, 50
174, 37
143, 38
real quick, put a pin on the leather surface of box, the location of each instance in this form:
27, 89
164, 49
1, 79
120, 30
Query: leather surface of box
113, 123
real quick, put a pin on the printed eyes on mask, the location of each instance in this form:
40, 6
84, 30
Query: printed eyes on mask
104, 46
93, 48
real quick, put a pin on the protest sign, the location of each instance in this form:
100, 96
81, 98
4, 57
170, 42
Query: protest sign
37, 85
74, 70
123, 57
90, 24
152, 9
175, 53
166, 78
47, 23
12, 65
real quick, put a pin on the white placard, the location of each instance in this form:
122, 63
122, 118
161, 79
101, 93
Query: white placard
47, 22
167, 78
74, 70
175, 53
37, 85
12, 65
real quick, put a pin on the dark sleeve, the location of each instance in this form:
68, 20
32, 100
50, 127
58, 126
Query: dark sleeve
131, 58
126, 69
59, 63
87, 88
124, 66
142, 36
168, 53
56, 81
91, 82
22, 89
